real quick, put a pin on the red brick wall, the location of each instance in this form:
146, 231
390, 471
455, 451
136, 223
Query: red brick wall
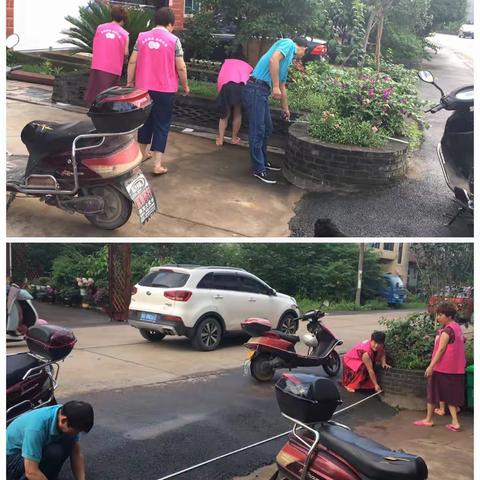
9, 17
178, 7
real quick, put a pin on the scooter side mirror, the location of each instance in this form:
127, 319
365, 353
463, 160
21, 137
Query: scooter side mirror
12, 41
426, 76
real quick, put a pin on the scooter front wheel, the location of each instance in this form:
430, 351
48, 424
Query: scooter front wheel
117, 209
261, 369
332, 366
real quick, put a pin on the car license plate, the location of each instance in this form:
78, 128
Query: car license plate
142, 195
246, 367
148, 317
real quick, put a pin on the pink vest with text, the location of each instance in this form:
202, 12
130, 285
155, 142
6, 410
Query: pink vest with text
156, 61
233, 70
353, 358
109, 45
453, 359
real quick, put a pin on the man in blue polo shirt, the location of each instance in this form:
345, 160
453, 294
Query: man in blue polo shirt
39, 441
268, 77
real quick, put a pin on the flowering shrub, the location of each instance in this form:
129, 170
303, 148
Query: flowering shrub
368, 107
85, 282
409, 342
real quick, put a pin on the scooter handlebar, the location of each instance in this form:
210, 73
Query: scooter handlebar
312, 315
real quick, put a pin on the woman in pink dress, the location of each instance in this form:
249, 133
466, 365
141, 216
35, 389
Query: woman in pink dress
446, 372
110, 48
232, 77
358, 364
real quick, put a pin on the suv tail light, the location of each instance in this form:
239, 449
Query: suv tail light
178, 295
134, 290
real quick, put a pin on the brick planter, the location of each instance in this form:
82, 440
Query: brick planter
314, 165
405, 389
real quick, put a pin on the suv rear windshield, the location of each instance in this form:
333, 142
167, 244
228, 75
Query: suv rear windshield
164, 279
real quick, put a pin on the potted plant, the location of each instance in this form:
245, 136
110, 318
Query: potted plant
86, 290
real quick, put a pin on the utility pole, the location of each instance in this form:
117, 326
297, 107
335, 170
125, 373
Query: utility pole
361, 257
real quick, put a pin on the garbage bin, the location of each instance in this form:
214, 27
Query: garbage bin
469, 373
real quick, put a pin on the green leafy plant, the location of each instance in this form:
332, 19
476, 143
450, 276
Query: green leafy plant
410, 342
469, 351
197, 37
83, 28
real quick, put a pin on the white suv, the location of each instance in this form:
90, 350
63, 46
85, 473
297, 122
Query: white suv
204, 303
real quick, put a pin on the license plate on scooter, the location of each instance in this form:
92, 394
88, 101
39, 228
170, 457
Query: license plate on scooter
142, 195
247, 363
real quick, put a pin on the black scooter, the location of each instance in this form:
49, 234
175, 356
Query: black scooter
455, 150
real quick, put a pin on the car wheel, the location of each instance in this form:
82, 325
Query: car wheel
261, 369
151, 335
288, 323
332, 366
208, 334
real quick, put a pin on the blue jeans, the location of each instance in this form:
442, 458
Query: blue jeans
255, 100
157, 126
53, 458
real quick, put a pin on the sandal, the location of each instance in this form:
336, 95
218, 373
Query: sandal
160, 171
439, 412
236, 140
423, 423
453, 428
219, 142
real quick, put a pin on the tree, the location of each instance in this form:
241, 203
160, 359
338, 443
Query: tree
443, 264
447, 14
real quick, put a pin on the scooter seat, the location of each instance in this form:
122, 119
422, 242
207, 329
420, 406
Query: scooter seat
18, 365
370, 458
286, 336
45, 138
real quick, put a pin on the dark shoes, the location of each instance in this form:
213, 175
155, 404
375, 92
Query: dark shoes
264, 177
272, 167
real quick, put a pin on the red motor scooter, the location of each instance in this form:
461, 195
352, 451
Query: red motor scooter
32, 377
270, 349
89, 167
328, 450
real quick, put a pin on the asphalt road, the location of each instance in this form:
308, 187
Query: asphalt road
417, 206
149, 432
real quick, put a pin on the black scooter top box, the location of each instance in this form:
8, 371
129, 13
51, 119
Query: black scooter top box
49, 342
120, 109
307, 398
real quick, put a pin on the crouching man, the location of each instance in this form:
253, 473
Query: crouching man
39, 441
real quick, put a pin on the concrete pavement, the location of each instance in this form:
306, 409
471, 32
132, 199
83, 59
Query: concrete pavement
208, 192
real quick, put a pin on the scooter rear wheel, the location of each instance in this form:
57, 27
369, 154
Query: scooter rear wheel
332, 366
117, 211
261, 369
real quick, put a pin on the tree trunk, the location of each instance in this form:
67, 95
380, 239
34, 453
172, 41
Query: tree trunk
361, 257
378, 45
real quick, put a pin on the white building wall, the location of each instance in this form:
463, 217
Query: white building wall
39, 22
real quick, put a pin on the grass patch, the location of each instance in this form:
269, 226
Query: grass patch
306, 304
203, 89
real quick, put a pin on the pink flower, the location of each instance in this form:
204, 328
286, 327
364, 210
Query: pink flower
371, 92
387, 92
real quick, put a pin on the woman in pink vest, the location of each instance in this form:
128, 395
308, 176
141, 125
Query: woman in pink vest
156, 65
232, 77
110, 47
446, 372
358, 364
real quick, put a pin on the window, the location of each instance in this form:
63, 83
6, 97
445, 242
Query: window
225, 281
388, 246
206, 281
400, 253
192, 6
164, 279
249, 284
375, 245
